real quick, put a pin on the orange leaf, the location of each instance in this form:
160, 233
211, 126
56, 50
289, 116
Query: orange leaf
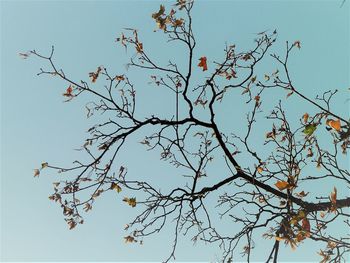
260, 169
203, 63
334, 124
305, 117
281, 185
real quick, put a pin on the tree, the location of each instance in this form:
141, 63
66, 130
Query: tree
266, 190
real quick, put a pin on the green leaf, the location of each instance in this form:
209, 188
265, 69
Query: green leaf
309, 129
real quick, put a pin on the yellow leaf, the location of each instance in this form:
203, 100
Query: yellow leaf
281, 185
260, 169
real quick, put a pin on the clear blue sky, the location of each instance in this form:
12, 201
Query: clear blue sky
37, 126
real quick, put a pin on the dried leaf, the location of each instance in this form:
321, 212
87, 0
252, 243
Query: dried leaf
203, 63
333, 196
130, 239
289, 94
139, 47
130, 201
305, 224
87, 207
44, 165
116, 187
36, 172
159, 13
247, 56
297, 44
257, 98
68, 92
119, 77
24, 55
178, 22
309, 153
305, 117
94, 75
71, 224
302, 194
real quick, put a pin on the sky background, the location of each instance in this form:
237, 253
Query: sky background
37, 126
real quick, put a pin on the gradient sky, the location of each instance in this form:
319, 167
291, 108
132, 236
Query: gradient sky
37, 126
